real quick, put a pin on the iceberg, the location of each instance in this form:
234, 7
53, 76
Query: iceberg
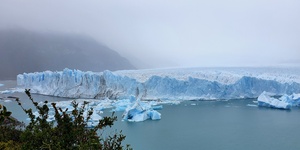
147, 109
164, 84
7, 101
265, 100
140, 112
1, 84
293, 100
68, 107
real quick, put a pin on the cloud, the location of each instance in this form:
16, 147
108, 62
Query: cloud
173, 33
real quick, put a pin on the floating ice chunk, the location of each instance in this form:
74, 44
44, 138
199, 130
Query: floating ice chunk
136, 115
36, 114
7, 101
140, 112
121, 105
132, 98
95, 116
68, 106
157, 107
296, 96
251, 105
11, 91
135, 110
99, 107
293, 99
286, 98
265, 100
92, 124
175, 102
120, 108
154, 115
6, 92
1, 84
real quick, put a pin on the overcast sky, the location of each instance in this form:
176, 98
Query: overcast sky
173, 33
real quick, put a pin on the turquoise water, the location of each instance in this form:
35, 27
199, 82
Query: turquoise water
217, 125
205, 125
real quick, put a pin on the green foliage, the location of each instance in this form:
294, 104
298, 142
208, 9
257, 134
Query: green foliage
69, 131
9, 127
4, 114
10, 145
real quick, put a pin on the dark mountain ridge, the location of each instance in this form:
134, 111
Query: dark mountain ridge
27, 51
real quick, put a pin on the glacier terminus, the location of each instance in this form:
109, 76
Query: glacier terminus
139, 93
164, 84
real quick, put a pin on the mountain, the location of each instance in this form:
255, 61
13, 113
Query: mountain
28, 51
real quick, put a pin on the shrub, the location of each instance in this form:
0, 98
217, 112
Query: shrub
68, 131
10, 128
10, 145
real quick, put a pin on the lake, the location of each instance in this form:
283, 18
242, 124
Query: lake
226, 125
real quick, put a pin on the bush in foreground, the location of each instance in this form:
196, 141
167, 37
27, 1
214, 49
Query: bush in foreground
68, 131
10, 130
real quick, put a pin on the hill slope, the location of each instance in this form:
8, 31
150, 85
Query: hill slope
26, 51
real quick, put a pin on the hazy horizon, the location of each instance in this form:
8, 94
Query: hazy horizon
161, 34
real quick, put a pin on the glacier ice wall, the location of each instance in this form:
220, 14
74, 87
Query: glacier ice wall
158, 85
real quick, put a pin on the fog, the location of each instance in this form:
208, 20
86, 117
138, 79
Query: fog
187, 33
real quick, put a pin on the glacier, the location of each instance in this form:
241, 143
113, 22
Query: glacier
164, 84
